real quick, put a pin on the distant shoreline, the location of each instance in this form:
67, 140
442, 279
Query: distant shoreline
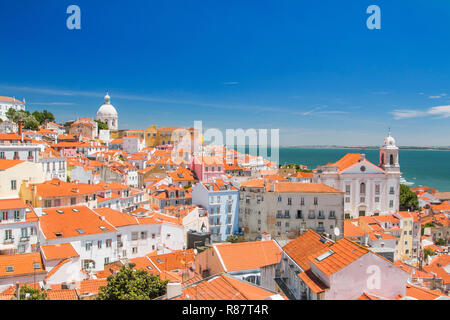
367, 147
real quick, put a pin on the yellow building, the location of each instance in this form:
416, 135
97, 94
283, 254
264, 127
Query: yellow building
405, 243
155, 136
14, 172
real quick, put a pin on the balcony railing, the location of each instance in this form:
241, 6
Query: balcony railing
24, 239
8, 241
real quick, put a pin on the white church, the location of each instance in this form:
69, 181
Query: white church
108, 114
369, 189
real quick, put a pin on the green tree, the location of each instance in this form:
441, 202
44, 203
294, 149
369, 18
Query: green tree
131, 284
232, 239
440, 242
29, 293
31, 123
427, 252
101, 125
408, 199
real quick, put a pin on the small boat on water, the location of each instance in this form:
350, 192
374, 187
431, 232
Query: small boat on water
406, 183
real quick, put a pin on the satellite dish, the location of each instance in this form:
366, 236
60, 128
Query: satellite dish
337, 232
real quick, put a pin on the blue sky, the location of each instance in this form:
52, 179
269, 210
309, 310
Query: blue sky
310, 68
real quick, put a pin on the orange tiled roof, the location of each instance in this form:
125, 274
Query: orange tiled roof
176, 260
23, 264
224, 287
90, 286
69, 221
64, 294
253, 183
303, 187
346, 161
248, 255
438, 266
421, 293
343, 251
14, 203
58, 251
351, 230
312, 281
6, 164
116, 218
303, 246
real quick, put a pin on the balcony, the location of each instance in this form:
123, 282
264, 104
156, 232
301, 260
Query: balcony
281, 283
24, 239
8, 241
321, 216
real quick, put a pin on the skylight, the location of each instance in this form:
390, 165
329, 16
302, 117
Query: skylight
325, 255
60, 211
103, 228
80, 231
75, 210
9, 269
58, 234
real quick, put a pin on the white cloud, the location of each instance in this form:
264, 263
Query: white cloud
230, 83
438, 96
441, 111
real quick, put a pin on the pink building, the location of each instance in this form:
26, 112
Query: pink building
206, 168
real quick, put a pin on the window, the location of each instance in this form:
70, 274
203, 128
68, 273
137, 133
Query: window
134, 250
362, 188
88, 246
47, 203
321, 215
8, 234
302, 201
347, 199
391, 203
36, 266
347, 189
332, 215
279, 198
13, 184
57, 202
134, 236
9, 269
99, 244
391, 190
16, 215
377, 199
24, 232
106, 260
316, 200
289, 201
73, 201
143, 235
108, 243
299, 214
5, 215
377, 189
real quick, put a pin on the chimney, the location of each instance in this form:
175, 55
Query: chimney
173, 290
363, 157
18, 290
19, 123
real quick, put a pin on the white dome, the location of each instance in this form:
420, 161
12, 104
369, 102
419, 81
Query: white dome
108, 114
107, 109
389, 141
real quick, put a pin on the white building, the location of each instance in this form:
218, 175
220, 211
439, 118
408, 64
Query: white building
17, 147
18, 226
102, 236
7, 102
108, 114
369, 189
132, 144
